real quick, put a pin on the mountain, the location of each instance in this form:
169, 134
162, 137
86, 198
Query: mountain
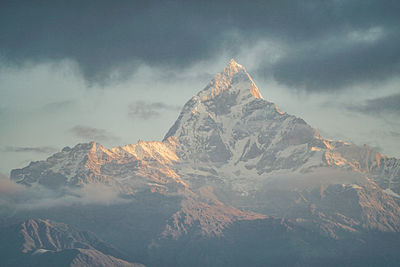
47, 243
232, 165
229, 137
230, 126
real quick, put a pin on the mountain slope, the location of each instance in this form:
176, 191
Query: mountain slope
37, 242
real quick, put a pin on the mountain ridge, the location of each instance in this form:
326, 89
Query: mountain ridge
38, 242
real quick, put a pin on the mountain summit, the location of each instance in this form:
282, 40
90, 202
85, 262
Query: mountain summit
232, 81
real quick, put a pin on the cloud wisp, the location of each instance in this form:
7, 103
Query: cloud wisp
14, 196
57, 105
19, 149
93, 134
381, 106
147, 110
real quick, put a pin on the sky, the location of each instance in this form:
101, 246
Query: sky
119, 71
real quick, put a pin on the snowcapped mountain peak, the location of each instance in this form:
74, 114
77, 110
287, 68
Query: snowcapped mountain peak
222, 104
233, 82
233, 66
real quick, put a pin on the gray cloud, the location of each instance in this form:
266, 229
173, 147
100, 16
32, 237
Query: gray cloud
89, 133
146, 110
388, 105
18, 149
110, 39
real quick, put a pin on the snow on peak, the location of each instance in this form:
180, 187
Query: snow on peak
234, 79
225, 96
233, 67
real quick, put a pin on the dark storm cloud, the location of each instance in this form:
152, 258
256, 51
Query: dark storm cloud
322, 68
104, 35
92, 134
18, 149
389, 105
147, 110
107, 36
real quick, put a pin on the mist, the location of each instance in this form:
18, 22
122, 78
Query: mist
19, 198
